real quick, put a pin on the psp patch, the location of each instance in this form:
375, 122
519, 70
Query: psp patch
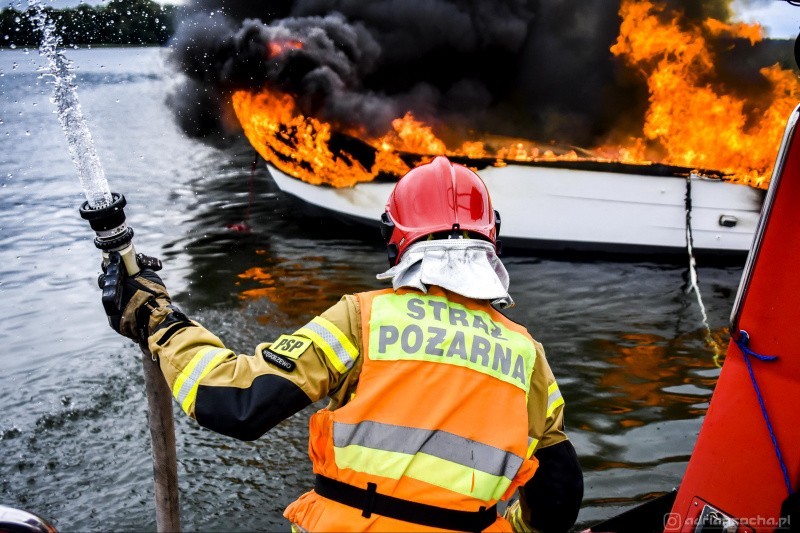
277, 360
290, 346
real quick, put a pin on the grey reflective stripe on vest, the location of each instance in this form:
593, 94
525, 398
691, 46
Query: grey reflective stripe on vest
341, 351
441, 444
197, 371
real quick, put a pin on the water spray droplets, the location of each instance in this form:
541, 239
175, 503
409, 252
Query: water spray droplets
70, 115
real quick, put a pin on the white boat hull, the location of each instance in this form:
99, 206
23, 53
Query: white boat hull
567, 209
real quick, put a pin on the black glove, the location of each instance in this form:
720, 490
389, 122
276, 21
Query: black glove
130, 300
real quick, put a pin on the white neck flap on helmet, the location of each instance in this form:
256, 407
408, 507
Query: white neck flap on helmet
469, 267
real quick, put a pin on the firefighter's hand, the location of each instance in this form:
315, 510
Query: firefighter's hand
130, 300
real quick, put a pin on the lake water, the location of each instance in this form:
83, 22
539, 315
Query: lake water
624, 339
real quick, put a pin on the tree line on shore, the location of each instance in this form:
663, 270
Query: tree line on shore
119, 22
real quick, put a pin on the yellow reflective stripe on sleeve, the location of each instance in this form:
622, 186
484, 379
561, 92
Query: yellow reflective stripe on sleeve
185, 387
554, 398
518, 525
332, 341
531, 447
420, 466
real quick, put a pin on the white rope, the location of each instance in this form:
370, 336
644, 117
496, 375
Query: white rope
713, 344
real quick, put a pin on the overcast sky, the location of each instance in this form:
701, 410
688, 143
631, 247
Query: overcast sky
781, 19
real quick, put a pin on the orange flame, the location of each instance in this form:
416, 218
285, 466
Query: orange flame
300, 145
689, 122
278, 46
411, 135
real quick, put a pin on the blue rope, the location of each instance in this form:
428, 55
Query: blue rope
742, 340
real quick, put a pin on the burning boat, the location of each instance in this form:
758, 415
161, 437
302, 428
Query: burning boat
549, 201
584, 208
646, 195
341, 104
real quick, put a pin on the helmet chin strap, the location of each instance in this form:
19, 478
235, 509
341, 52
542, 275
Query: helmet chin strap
392, 252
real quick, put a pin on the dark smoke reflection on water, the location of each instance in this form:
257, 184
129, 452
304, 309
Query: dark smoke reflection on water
539, 69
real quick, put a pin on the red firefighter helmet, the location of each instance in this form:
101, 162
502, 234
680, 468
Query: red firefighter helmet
442, 199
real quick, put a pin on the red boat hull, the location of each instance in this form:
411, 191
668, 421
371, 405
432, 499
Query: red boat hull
734, 468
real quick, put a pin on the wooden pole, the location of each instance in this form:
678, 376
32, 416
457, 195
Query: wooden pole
162, 441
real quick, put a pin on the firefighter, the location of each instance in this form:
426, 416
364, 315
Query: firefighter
440, 406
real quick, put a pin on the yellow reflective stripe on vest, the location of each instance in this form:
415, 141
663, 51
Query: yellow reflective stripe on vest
437, 443
458, 478
554, 398
431, 328
333, 342
185, 387
437, 457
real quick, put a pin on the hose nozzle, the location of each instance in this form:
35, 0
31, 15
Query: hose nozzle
115, 239
112, 234
108, 223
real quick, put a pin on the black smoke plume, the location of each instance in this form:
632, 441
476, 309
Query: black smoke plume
539, 69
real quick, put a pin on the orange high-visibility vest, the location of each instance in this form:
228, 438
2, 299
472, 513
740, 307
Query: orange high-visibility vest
439, 415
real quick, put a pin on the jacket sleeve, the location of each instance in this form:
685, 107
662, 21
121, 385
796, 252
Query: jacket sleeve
545, 405
550, 501
243, 396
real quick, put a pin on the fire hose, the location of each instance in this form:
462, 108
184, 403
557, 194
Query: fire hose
115, 239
